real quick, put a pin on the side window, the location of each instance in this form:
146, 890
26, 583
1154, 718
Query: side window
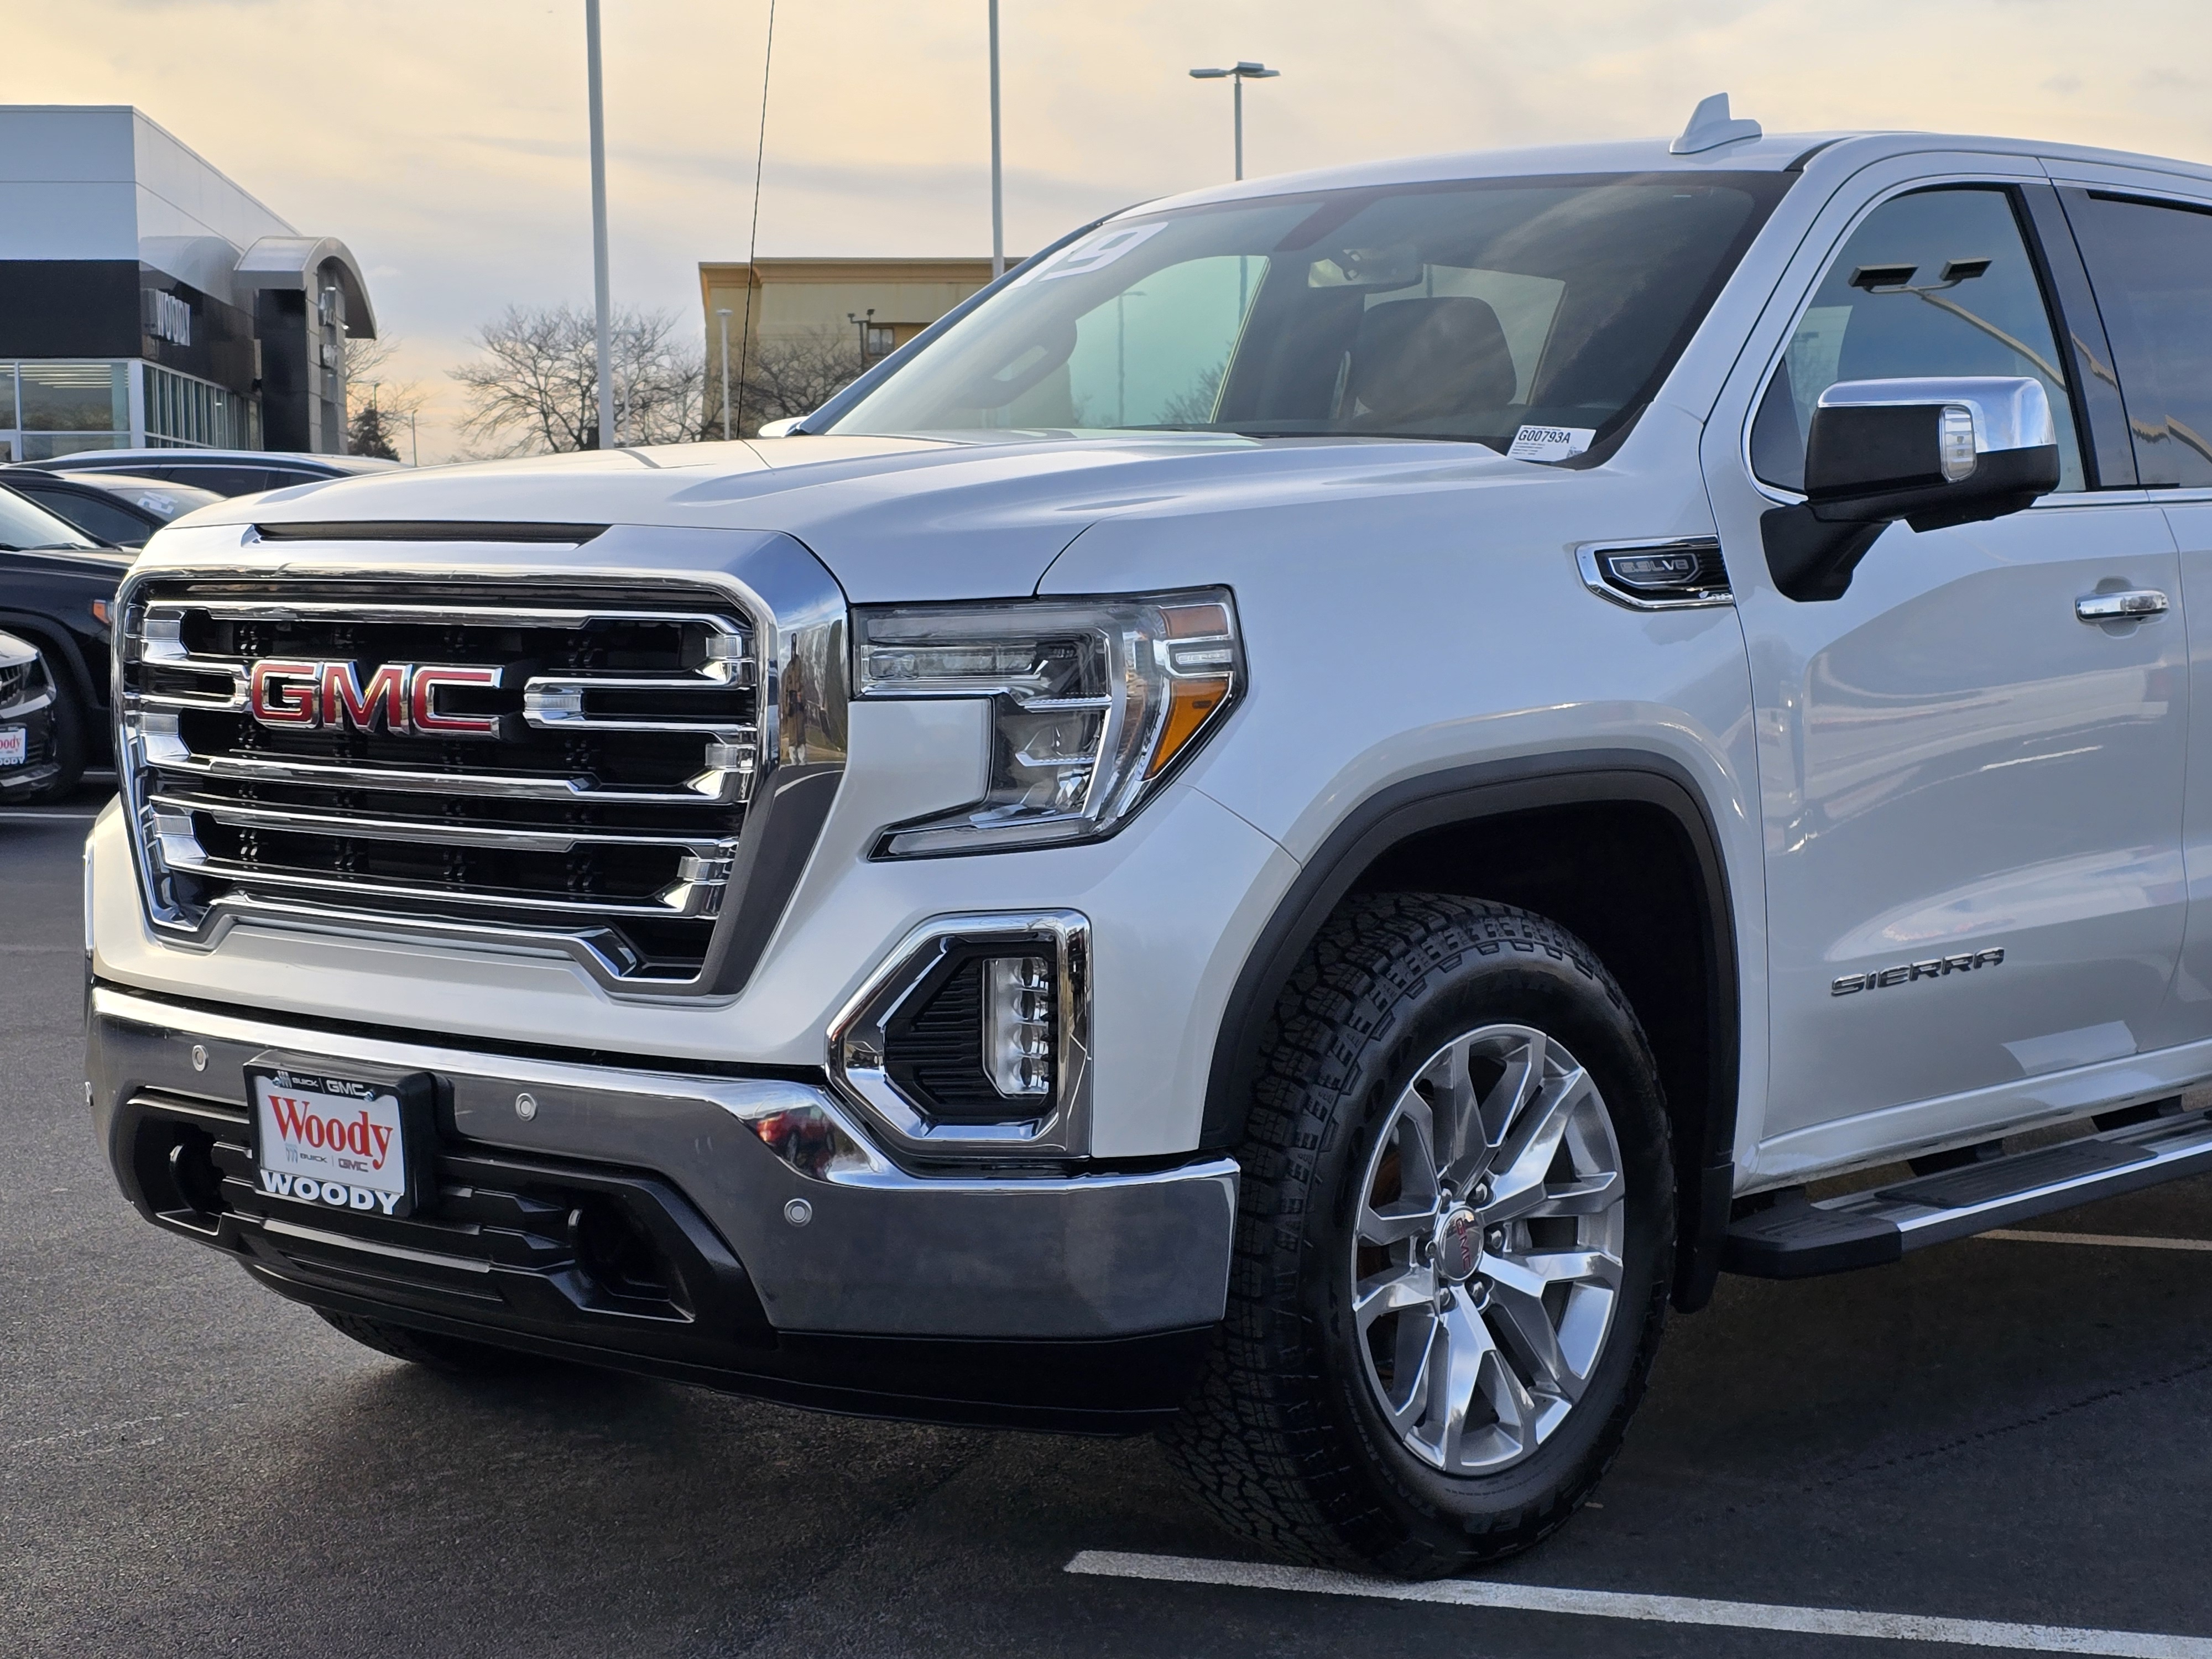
223, 480
2152, 268
1938, 282
115, 526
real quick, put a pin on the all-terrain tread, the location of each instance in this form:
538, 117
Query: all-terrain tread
1257, 1438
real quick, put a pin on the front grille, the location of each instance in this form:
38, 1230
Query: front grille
13, 684
503, 760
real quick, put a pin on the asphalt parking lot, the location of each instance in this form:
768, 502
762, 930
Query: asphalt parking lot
2014, 1431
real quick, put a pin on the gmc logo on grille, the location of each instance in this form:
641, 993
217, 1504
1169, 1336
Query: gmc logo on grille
400, 697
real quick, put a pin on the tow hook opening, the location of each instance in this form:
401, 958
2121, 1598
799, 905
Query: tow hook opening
178, 1175
619, 1256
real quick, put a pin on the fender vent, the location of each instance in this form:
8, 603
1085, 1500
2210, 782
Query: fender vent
1668, 575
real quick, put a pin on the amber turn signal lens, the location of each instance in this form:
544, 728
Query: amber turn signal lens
1191, 703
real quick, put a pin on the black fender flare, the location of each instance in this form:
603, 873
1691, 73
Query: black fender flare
1465, 794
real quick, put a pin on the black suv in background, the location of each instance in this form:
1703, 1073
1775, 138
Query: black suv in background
56, 588
224, 472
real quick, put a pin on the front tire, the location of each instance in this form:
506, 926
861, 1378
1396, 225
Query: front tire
1455, 1226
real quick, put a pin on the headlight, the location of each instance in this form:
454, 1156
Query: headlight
1093, 702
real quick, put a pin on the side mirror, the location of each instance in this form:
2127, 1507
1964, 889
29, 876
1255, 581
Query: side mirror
782, 428
1930, 451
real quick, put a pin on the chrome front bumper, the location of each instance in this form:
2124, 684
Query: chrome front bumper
881, 1252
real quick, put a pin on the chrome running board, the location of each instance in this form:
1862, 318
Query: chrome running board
1794, 1238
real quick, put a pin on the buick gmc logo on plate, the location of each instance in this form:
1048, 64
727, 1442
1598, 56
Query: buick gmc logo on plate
400, 697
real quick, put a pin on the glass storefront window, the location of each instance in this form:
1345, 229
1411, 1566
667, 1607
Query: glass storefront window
53, 409
50, 408
186, 413
75, 397
46, 446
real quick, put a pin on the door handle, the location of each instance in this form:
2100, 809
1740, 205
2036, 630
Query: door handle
2131, 607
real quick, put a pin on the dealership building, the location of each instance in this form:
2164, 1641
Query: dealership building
145, 299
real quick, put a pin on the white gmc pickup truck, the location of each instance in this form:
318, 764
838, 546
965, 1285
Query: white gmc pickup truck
1282, 831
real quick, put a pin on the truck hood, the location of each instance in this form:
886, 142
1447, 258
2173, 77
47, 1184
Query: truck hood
895, 519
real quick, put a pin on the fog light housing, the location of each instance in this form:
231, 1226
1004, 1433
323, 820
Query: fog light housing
975, 1034
1017, 1026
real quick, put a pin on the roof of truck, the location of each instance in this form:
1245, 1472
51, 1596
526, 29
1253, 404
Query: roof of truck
1776, 152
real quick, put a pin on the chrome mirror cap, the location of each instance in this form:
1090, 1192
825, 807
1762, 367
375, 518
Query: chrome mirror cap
2008, 412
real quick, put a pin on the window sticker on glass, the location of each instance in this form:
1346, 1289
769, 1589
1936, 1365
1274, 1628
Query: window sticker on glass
1550, 443
1096, 253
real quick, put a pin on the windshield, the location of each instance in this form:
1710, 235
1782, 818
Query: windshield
24, 525
1543, 309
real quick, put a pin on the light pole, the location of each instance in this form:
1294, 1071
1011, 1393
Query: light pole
1239, 74
723, 312
862, 323
599, 226
998, 186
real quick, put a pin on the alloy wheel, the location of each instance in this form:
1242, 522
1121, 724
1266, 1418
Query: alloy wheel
1486, 1252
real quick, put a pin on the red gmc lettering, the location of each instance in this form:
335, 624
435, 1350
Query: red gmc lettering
422, 707
283, 694
399, 697
346, 702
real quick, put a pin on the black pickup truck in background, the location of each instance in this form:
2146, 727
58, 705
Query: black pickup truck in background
56, 586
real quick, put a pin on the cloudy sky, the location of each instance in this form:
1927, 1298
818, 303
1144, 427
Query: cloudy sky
444, 140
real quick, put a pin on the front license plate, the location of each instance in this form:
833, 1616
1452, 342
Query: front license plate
331, 1141
14, 746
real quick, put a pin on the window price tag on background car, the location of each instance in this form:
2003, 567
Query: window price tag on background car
1550, 443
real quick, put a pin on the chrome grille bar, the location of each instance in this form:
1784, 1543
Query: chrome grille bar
696, 895
160, 612
726, 777
429, 831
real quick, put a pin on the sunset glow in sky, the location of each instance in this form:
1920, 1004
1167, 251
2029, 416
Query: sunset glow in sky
444, 140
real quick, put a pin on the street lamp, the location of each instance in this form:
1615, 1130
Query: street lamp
603, 328
998, 185
1239, 73
863, 324
723, 312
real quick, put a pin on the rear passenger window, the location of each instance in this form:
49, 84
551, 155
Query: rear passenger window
223, 480
2151, 265
1938, 283
115, 526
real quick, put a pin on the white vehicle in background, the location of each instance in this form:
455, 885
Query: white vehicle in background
1283, 830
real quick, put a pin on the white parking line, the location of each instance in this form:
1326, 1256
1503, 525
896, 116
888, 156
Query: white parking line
1649, 1609
2119, 1240
7, 815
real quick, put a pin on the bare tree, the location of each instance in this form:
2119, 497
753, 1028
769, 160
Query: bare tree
379, 407
535, 388
785, 374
